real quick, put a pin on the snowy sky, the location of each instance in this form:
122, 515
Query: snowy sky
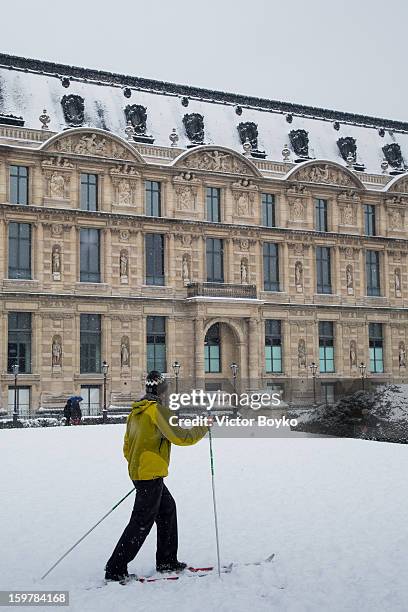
341, 54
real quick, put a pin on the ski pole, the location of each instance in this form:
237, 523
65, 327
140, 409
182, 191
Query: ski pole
86, 534
214, 503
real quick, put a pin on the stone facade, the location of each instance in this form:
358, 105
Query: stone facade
56, 297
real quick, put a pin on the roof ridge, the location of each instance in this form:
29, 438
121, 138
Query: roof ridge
165, 87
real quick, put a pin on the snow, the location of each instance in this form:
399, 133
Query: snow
332, 510
27, 94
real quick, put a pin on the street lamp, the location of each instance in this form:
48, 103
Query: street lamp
234, 370
313, 369
176, 369
15, 370
105, 368
363, 368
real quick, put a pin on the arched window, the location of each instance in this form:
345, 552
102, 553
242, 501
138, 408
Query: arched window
212, 349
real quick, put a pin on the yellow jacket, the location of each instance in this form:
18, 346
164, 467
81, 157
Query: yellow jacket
149, 436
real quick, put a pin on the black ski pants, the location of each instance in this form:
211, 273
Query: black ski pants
153, 504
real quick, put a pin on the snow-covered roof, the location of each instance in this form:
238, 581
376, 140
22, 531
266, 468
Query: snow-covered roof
28, 86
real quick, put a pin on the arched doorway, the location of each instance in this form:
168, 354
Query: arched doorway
222, 347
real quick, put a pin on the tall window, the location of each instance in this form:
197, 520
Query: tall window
153, 198
89, 192
321, 215
326, 346
18, 185
215, 260
154, 249
156, 343
19, 264
19, 341
90, 269
90, 349
373, 272
323, 270
369, 219
273, 346
271, 266
213, 203
375, 338
212, 349
268, 210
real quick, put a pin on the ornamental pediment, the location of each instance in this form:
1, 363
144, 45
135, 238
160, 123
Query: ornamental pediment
325, 174
92, 143
216, 159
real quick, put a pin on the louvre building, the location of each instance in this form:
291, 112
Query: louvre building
145, 222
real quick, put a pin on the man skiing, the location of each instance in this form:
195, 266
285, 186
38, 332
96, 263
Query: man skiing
146, 447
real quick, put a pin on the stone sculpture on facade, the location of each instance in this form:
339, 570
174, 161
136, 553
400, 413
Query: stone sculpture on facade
186, 269
299, 276
57, 186
124, 352
56, 352
124, 267
402, 361
56, 262
397, 282
349, 280
244, 271
302, 353
353, 354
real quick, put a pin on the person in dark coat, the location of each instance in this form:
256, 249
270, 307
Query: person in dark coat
76, 412
68, 412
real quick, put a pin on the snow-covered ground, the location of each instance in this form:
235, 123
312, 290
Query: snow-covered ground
333, 510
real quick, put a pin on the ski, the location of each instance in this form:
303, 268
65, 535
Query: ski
189, 572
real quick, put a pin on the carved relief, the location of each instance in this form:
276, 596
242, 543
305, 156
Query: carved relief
90, 144
186, 197
302, 353
124, 266
396, 207
401, 186
326, 174
397, 282
56, 262
124, 352
56, 229
56, 351
57, 162
297, 209
349, 279
299, 276
216, 161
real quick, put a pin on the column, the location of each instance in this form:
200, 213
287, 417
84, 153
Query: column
228, 261
254, 368
36, 335
388, 357
338, 348
170, 343
170, 258
285, 272
385, 274
107, 261
199, 352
